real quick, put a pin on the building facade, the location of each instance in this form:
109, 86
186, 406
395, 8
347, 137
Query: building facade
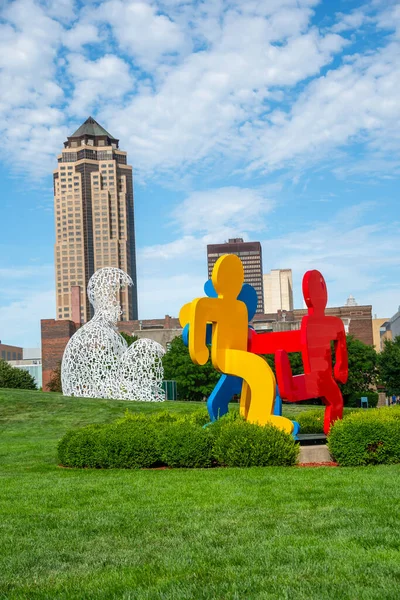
278, 290
10, 352
381, 331
94, 217
395, 324
251, 256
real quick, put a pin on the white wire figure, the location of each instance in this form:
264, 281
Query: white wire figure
97, 362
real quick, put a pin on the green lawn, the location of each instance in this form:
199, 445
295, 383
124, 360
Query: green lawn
181, 534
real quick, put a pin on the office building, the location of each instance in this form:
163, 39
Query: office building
94, 218
251, 257
278, 290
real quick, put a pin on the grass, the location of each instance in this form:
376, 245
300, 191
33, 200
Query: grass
180, 534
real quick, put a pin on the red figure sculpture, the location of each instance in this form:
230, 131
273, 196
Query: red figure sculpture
314, 341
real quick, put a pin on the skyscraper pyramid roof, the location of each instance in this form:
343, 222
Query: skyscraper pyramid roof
91, 127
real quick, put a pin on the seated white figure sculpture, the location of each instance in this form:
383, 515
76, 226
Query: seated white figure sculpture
97, 361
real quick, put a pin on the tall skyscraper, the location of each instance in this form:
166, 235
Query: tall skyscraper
94, 217
251, 256
278, 290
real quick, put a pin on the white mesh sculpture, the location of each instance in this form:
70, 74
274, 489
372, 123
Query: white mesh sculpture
97, 361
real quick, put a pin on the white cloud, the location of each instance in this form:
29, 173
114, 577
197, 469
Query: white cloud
141, 30
354, 103
80, 35
26, 297
20, 320
106, 79
197, 83
209, 216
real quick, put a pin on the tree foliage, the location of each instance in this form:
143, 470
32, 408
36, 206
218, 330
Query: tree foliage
11, 377
194, 382
389, 366
363, 369
129, 338
54, 384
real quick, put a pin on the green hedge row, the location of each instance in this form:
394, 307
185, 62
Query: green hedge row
366, 438
162, 439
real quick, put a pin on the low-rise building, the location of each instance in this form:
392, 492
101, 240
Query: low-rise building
31, 361
10, 352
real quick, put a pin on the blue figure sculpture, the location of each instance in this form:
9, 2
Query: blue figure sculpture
229, 385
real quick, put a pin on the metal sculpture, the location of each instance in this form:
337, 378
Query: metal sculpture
220, 320
229, 385
313, 340
97, 362
229, 337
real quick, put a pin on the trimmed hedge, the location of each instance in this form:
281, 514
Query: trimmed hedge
242, 444
367, 438
162, 439
185, 444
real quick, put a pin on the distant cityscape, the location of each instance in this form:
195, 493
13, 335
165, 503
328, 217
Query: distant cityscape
95, 228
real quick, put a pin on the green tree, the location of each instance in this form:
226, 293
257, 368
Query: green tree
11, 377
194, 382
296, 362
363, 369
54, 384
129, 338
389, 366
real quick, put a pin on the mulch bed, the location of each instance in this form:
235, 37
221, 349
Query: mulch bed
317, 464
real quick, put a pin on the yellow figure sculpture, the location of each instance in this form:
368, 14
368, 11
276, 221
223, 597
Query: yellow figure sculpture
229, 355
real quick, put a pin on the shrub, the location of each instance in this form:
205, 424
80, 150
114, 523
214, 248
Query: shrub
82, 448
11, 377
242, 444
138, 440
366, 438
185, 444
311, 421
131, 444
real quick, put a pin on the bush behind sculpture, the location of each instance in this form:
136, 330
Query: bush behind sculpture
366, 438
138, 441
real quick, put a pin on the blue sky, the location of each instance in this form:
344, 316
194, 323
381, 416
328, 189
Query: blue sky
276, 121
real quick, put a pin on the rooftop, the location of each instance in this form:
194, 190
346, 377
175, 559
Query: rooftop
91, 127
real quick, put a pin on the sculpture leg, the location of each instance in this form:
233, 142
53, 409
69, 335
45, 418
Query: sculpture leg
333, 400
245, 399
261, 386
218, 401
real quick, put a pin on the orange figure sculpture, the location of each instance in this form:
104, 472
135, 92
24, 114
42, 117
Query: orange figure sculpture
314, 341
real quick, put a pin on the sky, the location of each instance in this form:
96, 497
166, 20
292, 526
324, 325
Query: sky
271, 120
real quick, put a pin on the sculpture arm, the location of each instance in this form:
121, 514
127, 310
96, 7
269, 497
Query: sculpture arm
269, 343
199, 319
341, 369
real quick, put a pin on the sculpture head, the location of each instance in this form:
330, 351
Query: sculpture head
103, 292
314, 291
228, 276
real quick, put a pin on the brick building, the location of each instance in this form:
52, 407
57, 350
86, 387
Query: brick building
55, 334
